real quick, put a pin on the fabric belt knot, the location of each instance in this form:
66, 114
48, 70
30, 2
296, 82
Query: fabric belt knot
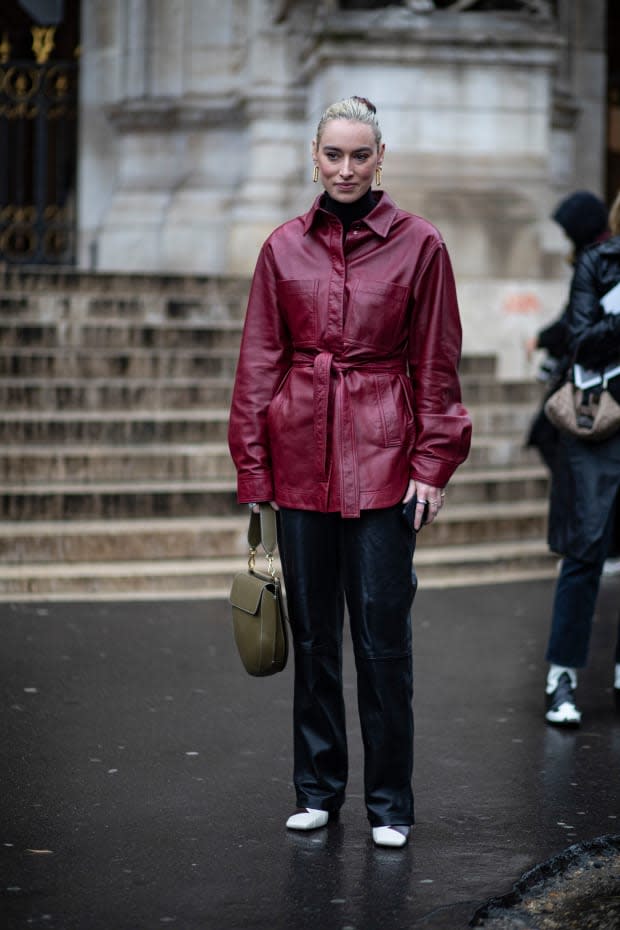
323, 364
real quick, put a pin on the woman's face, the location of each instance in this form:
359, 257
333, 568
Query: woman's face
347, 156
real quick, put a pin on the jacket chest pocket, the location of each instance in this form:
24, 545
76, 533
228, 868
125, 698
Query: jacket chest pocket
297, 301
376, 315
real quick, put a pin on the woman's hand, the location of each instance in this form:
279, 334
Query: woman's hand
426, 494
255, 508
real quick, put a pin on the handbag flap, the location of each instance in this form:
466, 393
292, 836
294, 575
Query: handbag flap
247, 589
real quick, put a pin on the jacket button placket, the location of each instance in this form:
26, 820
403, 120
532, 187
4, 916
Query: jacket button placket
344, 415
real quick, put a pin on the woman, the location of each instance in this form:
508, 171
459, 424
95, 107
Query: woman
346, 416
583, 218
585, 485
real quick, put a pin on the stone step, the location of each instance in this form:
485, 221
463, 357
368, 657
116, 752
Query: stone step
193, 425
471, 495
471, 486
111, 539
479, 382
123, 335
116, 427
119, 334
485, 563
182, 393
31, 462
115, 474
69, 293
167, 578
494, 419
499, 451
113, 393
478, 365
191, 578
462, 524
67, 364
184, 460
64, 362
110, 500
458, 523
485, 389
108, 363
64, 541
63, 393
28, 465
78, 469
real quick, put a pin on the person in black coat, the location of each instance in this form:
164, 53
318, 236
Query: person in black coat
585, 484
584, 219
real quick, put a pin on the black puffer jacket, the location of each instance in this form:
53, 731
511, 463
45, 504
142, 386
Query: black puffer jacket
596, 333
586, 480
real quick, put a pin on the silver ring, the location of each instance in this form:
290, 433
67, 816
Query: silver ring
252, 506
433, 502
420, 501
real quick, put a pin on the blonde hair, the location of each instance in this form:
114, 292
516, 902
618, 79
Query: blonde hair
357, 109
614, 216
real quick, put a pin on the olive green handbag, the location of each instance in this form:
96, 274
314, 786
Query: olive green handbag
258, 611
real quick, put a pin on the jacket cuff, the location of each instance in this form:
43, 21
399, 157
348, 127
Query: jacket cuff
254, 488
432, 471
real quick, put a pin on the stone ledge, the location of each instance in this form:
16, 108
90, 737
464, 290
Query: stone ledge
72, 279
574, 890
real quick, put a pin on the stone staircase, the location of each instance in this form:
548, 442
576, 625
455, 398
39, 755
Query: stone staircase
115, 478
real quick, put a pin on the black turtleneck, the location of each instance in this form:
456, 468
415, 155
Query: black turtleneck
347, 213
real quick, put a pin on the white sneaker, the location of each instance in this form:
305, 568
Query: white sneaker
562, 710
308, 819
390, 836
566, 715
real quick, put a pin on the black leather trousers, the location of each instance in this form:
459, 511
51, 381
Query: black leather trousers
367, 562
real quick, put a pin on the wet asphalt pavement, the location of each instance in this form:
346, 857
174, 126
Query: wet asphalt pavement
146, 777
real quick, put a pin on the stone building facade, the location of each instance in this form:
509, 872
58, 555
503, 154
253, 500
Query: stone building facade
196, 118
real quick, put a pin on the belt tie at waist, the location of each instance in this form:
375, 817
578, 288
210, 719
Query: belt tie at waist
323, 363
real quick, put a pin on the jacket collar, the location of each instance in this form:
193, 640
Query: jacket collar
379, 220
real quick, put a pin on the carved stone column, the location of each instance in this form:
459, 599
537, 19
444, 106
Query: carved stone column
173, 133
273, 107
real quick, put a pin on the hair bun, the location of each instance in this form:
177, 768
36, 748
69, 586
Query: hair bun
366, 103
357, 109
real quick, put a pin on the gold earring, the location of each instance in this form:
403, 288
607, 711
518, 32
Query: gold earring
315, 174
378, 171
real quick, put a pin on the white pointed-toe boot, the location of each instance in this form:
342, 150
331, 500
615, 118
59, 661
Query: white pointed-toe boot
390, 836
307, 819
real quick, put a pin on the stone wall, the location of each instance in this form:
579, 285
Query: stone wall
197, 116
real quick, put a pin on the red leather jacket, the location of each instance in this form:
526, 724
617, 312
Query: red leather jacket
347, 379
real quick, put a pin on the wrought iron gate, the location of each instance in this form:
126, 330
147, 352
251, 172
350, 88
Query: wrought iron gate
38, 132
